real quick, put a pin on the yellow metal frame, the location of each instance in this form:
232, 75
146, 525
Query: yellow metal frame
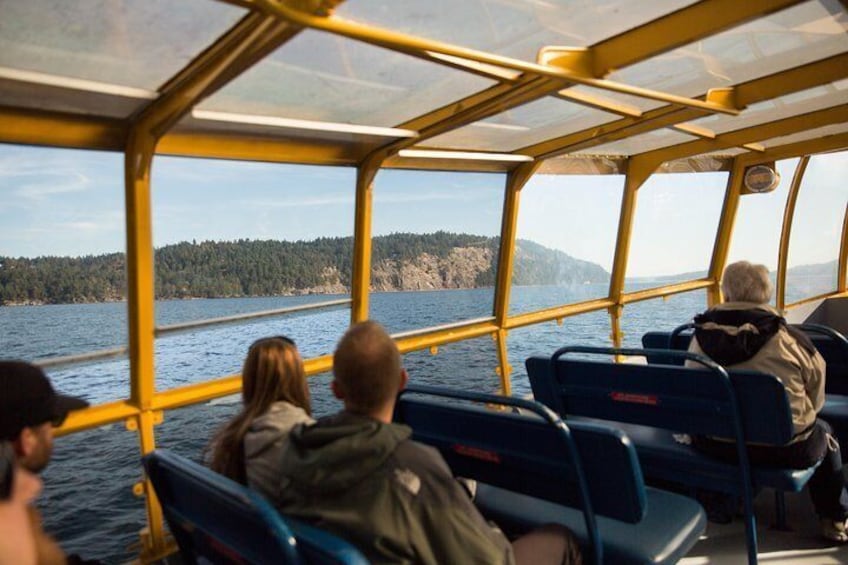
724, 233
638, 171
786, 230
425, 48
506, 258
270, 23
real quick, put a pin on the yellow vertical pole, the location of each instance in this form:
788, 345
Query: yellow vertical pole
638, 171
515, 181
842, 277
140, 305
724, 233
786, 231
361, 276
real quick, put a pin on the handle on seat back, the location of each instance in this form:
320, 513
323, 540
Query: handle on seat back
824, 330
677, 331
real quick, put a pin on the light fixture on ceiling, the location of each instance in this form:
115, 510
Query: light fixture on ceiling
467, 155
292, 123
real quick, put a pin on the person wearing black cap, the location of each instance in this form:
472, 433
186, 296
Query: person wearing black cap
29, 410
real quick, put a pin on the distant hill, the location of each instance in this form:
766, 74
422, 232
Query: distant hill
812, 270
240, 268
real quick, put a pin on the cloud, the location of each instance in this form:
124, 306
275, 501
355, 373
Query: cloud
52, 182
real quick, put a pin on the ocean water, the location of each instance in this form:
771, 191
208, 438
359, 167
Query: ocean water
88, 503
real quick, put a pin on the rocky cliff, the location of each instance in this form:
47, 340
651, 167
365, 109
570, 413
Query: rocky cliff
212, 269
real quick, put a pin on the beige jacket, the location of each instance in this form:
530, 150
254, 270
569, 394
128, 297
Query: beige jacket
802, 375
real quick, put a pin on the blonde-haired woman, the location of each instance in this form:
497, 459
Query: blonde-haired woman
275, 398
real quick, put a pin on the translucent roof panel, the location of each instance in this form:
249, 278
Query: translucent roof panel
778, 108
833, 129
320, 77
789, 38
522, 126
515, 28
640, 143
134, 44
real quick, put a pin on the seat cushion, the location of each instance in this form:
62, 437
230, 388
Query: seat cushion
671, 526
663, 457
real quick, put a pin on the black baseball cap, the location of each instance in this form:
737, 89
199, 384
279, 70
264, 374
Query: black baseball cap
27, 399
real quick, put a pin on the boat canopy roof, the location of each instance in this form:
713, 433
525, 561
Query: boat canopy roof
584, 86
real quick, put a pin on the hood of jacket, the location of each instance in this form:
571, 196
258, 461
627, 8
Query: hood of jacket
266, 429
734, 332
339, 451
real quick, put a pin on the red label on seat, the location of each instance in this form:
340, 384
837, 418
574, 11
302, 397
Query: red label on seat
477, 453
633, 398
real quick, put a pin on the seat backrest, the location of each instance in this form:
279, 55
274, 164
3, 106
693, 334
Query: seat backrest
526, 454
660, 340
212, 517
696, 401
832, 346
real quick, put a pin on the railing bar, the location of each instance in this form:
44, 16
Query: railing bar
67, 360
53, 362
451, 326
164, 330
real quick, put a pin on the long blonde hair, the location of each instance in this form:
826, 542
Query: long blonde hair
273, 371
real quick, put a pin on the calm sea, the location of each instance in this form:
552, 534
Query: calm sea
88, 502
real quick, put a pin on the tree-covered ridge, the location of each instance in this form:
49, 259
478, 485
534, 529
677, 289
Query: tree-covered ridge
212, 269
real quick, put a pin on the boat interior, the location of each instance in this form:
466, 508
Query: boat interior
641, 92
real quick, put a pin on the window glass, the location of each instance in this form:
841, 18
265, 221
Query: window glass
817, 228
756, 233
87, 503
283, 239
674, 228
466, 365
434, 231
188, 431
592, 328
62, 268
567, 226
661, 314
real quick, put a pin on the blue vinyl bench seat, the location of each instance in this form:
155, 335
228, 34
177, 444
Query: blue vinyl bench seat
832, 346
647, 541
663, 457
652, 403
214, 519
532, 469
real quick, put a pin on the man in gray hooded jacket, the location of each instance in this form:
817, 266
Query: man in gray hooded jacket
359, 475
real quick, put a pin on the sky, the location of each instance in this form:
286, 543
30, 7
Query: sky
70, 203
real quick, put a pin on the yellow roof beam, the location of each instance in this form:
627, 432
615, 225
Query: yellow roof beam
425, 48
696, 130
678, 28
600, 103
778, 84
578, 61
41, 127
778, 128
824, 144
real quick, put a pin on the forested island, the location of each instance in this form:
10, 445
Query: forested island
211, 269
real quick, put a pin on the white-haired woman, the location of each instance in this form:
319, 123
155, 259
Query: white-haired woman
745, 332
